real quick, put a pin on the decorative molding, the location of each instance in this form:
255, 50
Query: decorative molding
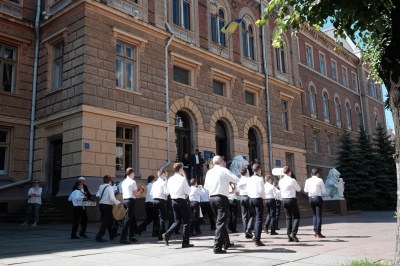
129, 37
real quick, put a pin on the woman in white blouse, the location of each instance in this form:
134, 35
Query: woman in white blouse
34, 203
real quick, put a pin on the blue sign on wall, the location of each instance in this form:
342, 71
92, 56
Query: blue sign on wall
278, 163
86, 145
207, 155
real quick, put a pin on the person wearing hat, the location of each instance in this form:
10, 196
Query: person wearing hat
85, 189
34, 203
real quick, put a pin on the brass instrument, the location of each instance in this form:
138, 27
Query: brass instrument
232, 188
142, 190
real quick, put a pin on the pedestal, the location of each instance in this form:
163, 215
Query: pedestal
336, 205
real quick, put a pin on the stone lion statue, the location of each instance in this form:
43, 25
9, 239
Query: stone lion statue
334, 185
238, 162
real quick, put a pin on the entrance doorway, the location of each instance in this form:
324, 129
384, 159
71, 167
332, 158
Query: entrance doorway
221, 140
183, 133
54, 166
253, 147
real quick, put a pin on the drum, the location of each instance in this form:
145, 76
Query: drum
118, 212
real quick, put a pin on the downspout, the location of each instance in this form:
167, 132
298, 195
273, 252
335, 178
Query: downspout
267, 93
359, 91
33, 106
167, 84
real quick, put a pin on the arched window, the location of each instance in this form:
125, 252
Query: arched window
359, 118
280, 59
183, 135
348, 115
221, 139
337, 111
312, 100
376, 120
248, 40
217, 23
326, 104
253, 146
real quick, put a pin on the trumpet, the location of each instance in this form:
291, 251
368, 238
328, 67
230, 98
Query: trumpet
232, 188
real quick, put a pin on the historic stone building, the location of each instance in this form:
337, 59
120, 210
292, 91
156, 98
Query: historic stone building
142, 82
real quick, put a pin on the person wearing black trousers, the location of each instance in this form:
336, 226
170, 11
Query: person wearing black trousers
206, 209
151, 211
159, 192
79, 211
278, 202
248, 212
270, 205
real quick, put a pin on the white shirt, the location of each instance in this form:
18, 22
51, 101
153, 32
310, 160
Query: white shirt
255, 187
76, 197
205, 197
242, 186
159, 189
120, 186
38, 195
195, 193
278, 195
149, 198
218, 179
314, 186
288, 187
178, 187
108, 195
128, 186
270, 191
197, 158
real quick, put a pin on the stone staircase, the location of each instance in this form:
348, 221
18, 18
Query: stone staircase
48, 213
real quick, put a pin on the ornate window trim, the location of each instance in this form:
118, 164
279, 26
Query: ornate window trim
225, 78
190, 65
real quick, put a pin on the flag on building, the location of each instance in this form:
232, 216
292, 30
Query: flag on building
232, 26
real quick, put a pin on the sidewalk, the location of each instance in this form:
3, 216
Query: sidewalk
370, 235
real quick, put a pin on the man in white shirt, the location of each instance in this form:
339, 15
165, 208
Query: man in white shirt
195, 163
206, 209
270, 205
288, 187
151, 212
217, 183
315, 188
247, 211
178, 187
129, 192
159, 192
256, 192
194, 198
107, 199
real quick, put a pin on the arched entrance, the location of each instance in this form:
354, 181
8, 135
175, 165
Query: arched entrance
253, 146
221, 140
183, 133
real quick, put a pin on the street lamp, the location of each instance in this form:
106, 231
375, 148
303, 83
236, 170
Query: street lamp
178, 121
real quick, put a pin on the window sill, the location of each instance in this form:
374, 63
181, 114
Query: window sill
287, 131
184, 85
220, 50
52, 91
129, 91
222, 96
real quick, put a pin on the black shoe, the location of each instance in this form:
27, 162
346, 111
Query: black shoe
290, 240
100, 240
192, 234
277, 228
260, 244
274, 233
133, 239
84, 236
160, 238
124, 241
112, 237
187, 245
231, 244
154, 234
177, 233
165, 239
234, 231
248, 235
139, 232
219, 251
74, 237
294, 238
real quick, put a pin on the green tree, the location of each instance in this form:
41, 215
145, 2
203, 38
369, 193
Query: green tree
376, 23
385, 182
346, 165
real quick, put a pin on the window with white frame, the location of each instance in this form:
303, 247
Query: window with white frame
311, 92
217, 23
325, 99
322, 68
334, 70
181, 13
309, 56
8, 62
329, 145
280, 59
248, 40
337, 111
353, 81
348, 115
4, 150
58, 53
316, 141
344, 77
126, 147
125, 67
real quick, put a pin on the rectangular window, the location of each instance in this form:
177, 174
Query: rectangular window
181, 75
58, 65
280, 60
316, 142
354, 81
285, 115
181, 13
329, 144
218, 88
8, 61
322, 64
250, 98
309, 57
333, 67
4, 149
344, 77
125, 67
125, 148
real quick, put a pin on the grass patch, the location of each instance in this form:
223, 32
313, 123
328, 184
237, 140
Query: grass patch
366, 262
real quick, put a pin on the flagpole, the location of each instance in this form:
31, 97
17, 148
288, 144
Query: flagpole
230, 36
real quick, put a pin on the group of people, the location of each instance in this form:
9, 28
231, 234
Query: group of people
187, 202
